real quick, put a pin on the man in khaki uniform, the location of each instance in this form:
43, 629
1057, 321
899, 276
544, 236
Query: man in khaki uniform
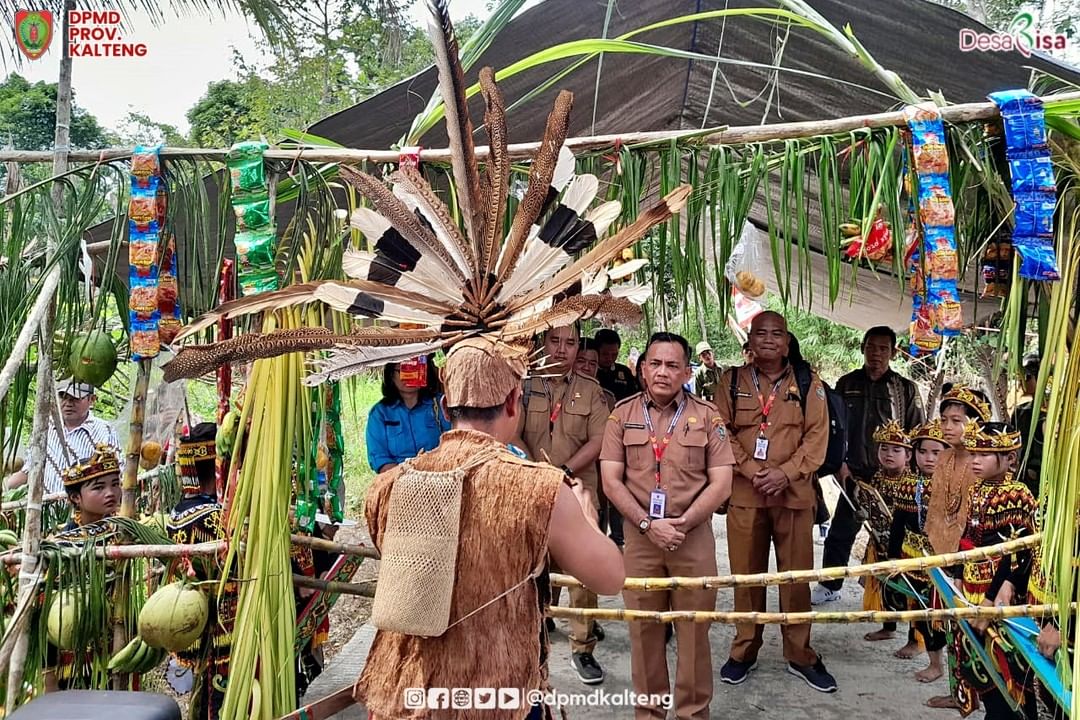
666, 465
778, 448
707, 378
563, 423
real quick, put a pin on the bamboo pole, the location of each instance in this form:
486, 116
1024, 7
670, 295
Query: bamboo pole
365, 589
748, 134
42, 305
46, 393
334, 547
888, 567
19, 504
806, 618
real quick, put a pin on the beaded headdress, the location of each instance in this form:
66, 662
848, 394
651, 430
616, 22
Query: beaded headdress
103, 461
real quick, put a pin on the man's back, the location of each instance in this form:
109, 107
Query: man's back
503, 539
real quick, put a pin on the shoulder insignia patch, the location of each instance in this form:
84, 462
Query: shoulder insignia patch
516, 451
821, 392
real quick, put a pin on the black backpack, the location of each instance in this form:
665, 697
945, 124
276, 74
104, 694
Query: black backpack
836, 452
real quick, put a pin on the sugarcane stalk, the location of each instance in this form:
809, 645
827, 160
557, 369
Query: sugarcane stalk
130, 486
42, 305
888, 567
806, 618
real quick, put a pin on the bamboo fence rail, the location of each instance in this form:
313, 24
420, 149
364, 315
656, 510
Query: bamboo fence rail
963, 112
806, 618
888, 567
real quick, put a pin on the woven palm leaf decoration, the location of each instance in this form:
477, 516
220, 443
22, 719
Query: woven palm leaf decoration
454, 279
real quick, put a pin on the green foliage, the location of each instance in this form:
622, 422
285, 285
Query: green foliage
28, 117
139, 128
223, 115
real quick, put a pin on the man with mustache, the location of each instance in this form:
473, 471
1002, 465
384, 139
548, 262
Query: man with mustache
667, 467
563, 424
779, 439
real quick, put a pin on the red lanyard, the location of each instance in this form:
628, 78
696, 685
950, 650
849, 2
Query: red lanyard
556, 409
659, 448
766, 405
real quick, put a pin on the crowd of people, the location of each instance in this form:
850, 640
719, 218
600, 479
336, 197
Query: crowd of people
652, 463
603, 471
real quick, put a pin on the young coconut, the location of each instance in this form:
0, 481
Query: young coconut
63, 619
174, 617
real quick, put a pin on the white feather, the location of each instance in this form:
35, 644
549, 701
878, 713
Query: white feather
373, 225
581, 192
346, 363
627, 269
413, 203
539, 262
564, 169
423, 279
341, 297
593, 284
637, 294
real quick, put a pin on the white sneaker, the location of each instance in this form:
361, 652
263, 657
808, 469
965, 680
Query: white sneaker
821, 595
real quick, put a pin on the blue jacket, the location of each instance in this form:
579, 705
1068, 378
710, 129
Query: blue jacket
395, 433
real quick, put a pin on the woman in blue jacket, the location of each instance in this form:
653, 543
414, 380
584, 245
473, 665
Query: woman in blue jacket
406, 420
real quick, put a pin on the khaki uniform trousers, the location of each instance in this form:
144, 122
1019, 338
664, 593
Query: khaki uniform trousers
648, 655
750, 531
582, 639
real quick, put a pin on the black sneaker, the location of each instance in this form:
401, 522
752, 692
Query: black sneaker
588, 670
816, 676
598, 632
549, 623
735, 672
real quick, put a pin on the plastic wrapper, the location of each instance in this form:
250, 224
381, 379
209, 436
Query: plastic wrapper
260, 282
255, 250
145, 166
924, 339
945, 309
246, 167
253, 214
1032, 182
745, 267
142, 208
168, 294
414, 372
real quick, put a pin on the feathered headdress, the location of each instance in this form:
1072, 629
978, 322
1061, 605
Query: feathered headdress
451, 280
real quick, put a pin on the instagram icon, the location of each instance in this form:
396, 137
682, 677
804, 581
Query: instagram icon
415, 698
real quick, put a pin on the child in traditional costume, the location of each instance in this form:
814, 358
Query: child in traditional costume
908, 539
877, 499
947, 511
198, 518
1000, 509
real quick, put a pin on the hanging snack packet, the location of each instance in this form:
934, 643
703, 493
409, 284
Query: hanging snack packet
414, 372
744, 267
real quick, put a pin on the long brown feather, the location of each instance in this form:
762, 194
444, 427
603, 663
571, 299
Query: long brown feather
414, 181
607, 250
291, 295
574, 309
543, 167
197, 360
458, 123
396, 212
497, 171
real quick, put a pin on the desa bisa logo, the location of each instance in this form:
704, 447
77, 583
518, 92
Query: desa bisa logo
1022, 36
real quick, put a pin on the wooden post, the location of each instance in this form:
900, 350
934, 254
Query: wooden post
130, 486
46, 393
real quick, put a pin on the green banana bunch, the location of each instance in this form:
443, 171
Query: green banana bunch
226, 433
136, 658
8, 539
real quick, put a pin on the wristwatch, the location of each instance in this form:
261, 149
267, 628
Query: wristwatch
644, 525
567, 471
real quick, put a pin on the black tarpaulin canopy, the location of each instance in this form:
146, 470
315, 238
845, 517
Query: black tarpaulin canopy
917, 39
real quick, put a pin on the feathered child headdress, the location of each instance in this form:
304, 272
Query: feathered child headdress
447, 280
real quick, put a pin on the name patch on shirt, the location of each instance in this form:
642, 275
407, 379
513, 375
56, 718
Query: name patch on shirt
634, 426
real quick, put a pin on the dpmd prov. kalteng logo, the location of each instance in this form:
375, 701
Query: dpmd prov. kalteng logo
515, 698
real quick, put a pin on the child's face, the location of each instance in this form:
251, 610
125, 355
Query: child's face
926, 457
953, 421
893, 458
990, 466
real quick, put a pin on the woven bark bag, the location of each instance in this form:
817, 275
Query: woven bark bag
419, 553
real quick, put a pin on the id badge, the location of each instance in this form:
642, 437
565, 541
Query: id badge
657, 504
761, 448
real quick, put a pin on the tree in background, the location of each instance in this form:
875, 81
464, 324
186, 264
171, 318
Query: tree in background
28, 117
1059, 16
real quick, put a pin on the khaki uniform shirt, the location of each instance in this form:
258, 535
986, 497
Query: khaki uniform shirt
699, 442
561, 415
797, 443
